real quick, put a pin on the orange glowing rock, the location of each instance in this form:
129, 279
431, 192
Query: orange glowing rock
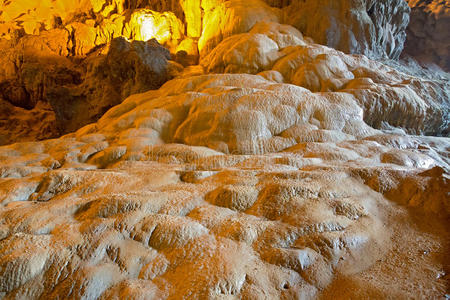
37, 15
108, 22
193, 14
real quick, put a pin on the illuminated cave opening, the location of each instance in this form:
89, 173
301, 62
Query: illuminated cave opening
148, 29
154, 25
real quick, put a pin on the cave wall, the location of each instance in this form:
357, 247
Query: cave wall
428, 35
372, 28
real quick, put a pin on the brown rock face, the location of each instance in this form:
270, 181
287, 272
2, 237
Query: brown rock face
78, 93
428, 35
128, 68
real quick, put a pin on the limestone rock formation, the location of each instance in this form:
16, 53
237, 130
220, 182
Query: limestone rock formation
31, 66
78, 93
266, 166
126, 69
388, 97
231, 17
117, 210
84, 25
372, 28
18, 124
428, 35
369, 27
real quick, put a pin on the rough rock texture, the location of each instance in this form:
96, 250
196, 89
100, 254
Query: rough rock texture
389, 98
190, 28
117, 210
18, 124
258, 117
373, 28
428, 35
292, 174
369, 27
74, 94
128, 68
84, 25
226, 18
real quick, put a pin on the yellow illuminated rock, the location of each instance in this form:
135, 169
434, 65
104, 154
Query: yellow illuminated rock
193, 14
231, 17
36, 15
88, 32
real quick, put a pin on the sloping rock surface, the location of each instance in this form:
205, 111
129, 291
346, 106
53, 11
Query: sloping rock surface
389, 98
117, 209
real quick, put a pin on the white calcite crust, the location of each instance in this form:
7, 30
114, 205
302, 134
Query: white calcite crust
388, 97
270, 191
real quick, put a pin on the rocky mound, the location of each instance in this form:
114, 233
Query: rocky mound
388, 97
